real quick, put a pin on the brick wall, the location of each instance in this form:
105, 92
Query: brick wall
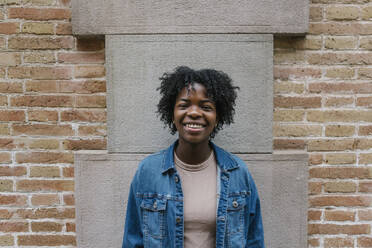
323, 105
52, 103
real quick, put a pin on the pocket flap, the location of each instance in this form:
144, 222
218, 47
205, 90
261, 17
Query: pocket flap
154, 204
236, 203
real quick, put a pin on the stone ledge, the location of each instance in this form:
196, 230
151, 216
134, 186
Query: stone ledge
192, 16
102, 185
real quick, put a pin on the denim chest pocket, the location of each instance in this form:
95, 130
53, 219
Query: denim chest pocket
236, 210
154, 217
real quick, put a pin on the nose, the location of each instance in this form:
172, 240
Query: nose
194, 112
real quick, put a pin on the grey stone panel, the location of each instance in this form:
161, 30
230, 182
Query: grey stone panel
102, 185
135, 62
191, 16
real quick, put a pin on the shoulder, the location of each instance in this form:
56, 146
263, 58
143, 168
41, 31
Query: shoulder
151, 163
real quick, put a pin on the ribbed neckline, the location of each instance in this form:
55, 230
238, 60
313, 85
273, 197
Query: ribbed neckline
193, 167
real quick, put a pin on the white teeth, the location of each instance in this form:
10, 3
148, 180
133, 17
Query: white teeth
194, 125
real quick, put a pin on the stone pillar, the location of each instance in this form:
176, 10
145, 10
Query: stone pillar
147, 38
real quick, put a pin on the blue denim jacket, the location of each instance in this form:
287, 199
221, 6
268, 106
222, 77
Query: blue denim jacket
155, 204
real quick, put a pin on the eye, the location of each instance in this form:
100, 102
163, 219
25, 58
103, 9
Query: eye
207, 108
182, 105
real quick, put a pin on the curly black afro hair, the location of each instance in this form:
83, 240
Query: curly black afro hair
217, 83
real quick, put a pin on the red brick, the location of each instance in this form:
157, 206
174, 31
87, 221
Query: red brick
40, 72
7, 171
338, 242
91, 144
365, 214
83, 87
44, 199
330, 145
68, 171
3, 100
92, 131
284, 144
340, 58
364, 102
13, 200
314, 215
340, 187
92, 101
296, 73
44, 157
90, 71
297, 102
11, 87
341, 201
12, 115
6, 143
5, 158
42, 101
81, 58
13, 227
339, 215
46, 227
365, 187
9, 27
45, 171
70, 227
347, 28
314, 242
341, 173
315, 158
40, 43
43, 129
365, 130
45, 185
42, 115
64, 29
69, 200
364, 241
46, 213
337, 102
42, 86
95, 43
46, 240
5, 214
338, 229
365, 73
39, 14
315, 188
84, 115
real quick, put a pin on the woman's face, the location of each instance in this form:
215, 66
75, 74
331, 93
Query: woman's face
194, 115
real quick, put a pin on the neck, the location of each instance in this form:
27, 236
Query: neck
193, 153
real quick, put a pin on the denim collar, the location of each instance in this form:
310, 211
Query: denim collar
224, 159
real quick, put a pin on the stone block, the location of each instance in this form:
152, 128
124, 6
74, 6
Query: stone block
102, 185
192, 16
135, 63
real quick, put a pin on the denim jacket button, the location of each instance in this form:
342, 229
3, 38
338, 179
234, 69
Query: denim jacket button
155, 205
178, 220
176, 179
221, 218
235, 204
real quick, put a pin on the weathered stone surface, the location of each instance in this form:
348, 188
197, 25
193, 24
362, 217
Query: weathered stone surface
102, 186
192, 16
135, 63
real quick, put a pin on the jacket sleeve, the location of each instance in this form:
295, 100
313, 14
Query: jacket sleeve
255, 235
133, 236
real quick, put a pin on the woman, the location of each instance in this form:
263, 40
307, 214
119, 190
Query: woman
194, 194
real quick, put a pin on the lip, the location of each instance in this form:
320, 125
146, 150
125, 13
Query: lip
194, 130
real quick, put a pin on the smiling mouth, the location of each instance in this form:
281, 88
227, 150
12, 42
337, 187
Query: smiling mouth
194, 126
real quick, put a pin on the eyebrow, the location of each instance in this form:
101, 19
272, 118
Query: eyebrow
203, 101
